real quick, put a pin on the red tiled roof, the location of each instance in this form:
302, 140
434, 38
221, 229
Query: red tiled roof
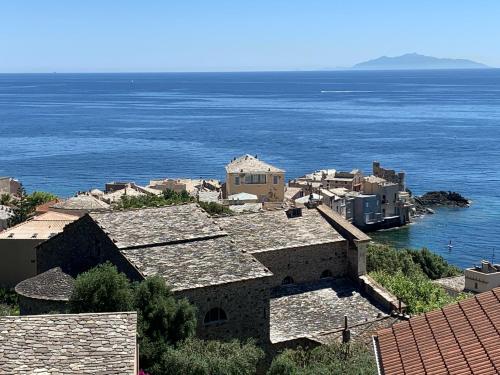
463, 338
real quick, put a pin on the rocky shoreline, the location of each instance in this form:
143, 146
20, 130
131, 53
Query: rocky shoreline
425, 203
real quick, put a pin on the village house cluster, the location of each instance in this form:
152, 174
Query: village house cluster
373, 202
287, 269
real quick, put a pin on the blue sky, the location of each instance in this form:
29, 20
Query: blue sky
217, 35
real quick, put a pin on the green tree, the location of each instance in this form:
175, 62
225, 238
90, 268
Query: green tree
39, 197
333, 359
163, 320
198, 357
22, 208
101, 289
5, 199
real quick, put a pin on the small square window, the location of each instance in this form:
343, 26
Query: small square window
276, 180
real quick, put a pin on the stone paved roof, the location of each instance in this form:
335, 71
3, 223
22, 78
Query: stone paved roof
52, 285
154, 226
461, 338
248, 163
68, 344
197, 264
454, 283
272, 230
82, 202
307, 310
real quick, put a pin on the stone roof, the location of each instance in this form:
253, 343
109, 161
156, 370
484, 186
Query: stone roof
39, 227
453, 283
308, 310
462, 338
69, 344
116, 195
52, 285
271, 230
197, 264
250, 164
155, 226
82, 202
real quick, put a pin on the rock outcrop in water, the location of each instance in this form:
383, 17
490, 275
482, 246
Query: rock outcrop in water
440, 198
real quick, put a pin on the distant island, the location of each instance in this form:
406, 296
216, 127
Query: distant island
416, 61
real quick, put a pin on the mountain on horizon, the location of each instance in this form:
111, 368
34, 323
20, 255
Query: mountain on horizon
416, 61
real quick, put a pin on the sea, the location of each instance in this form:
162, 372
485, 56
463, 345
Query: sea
72, 132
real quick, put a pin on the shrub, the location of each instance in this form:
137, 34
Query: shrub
388, 259
198, 357
417, 291
336, 358
214, 208
9, 304
101, 289
168, 197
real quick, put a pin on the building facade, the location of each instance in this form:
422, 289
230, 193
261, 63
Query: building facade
248, 174
482, 278
228, 267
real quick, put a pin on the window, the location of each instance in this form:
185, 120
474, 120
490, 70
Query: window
215, 315
236, 180
326, 274
276, 180
475, 285
255, 179
287, 281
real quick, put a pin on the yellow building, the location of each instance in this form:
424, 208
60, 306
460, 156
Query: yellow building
248, 174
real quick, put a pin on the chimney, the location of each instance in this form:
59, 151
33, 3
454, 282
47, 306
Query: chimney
293, 212
346, 333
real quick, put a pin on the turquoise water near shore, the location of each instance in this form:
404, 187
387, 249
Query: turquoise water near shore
69, 132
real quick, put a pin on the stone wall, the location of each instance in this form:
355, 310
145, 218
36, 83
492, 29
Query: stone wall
81, 246
307, 263
33, 306
246, 304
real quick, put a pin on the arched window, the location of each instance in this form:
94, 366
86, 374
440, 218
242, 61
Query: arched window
287, 280
215, 315
325, 274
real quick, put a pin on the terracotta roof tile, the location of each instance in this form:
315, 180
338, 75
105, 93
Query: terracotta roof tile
463, 338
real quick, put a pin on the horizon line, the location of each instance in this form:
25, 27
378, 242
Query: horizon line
253, 71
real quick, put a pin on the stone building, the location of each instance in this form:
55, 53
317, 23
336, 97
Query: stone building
389, 175
9, 185
237, 270
6, 213
482, 278
352, 181
17, 245
247, 174
69, 344
45, 293
80, 204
